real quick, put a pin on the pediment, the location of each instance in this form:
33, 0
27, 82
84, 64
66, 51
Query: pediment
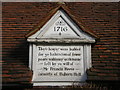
60, 27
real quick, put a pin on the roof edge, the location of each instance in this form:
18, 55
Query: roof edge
80, 23
66, 9
43, 21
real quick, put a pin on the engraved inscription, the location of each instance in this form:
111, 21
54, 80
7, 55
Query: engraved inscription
59, 61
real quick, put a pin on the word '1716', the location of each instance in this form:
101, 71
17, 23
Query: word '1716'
62, 29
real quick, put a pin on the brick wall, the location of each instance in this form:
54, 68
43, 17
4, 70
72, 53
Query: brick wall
102, 18
20, 18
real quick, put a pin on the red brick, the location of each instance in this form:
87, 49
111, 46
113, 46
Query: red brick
116, 53
102, 74
5, 71
102, 48
6, 75
98, 45
102, 56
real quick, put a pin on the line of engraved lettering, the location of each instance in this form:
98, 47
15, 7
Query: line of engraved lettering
60, 54
45, 74
72, 59
65, 74
56, 69
42, 59
62, 29
74, 49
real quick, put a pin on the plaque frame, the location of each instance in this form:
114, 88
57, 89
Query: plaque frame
84, 39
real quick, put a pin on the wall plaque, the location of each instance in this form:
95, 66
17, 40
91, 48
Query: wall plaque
59, 63
59, 52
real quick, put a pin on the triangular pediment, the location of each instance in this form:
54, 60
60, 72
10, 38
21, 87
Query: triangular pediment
60, 26
59, 29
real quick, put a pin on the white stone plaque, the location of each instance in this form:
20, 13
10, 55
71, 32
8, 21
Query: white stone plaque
60, 29
59, 63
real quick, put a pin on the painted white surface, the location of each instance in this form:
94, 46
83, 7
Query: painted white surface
56, 40
59, 29
87, 56
66, 30
56, 65
62, 84
39, 67
34, 57
30, 56
59, 63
